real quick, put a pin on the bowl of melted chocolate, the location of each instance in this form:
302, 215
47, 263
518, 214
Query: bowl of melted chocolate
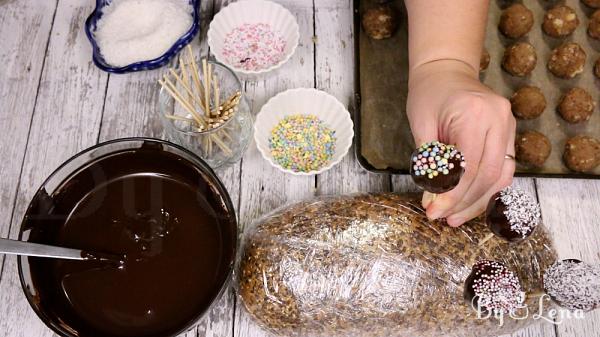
156, 206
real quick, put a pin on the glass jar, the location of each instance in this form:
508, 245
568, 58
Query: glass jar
223, 143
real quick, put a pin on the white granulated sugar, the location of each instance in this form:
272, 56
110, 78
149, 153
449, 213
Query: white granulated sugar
131, 31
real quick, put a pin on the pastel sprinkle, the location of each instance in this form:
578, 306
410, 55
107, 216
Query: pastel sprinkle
302, 143
435, 157
254, 46
496, 288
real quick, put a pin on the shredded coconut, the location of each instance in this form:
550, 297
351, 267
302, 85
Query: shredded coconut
131, 31
522, 212
573, 284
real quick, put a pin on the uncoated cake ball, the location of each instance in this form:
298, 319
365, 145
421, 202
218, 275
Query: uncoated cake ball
576, 106
532, 148
597, 68
592, 3
516, 21
582, 153
567, 60
560, 21
380, 22
519, 59
594, 25
528, 102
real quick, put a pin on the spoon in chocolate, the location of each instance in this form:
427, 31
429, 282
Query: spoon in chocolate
16, 247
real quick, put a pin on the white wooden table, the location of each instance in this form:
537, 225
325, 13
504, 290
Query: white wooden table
54, 103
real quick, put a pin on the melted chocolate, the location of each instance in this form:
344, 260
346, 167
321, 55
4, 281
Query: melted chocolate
170, 229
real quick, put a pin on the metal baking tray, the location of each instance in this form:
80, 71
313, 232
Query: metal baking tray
383, 141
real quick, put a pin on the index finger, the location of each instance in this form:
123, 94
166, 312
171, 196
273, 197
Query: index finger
471, 143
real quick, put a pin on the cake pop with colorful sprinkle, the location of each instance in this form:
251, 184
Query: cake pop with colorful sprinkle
573, 284
512, 214
493, 288
437, 167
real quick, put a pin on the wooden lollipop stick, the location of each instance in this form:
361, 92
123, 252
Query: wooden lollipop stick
195, 77
186, 87
167, 84
179, 118
206, 78
215, 82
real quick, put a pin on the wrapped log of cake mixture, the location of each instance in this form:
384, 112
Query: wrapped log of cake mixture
374, 265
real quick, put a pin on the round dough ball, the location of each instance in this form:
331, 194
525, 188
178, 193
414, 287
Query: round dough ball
484, 61
519, 59
516, 21
532, 148
582, 153
567, 60
380, 22
528, 102
594, 26
597, 68
576, 106
592, 3
560, 21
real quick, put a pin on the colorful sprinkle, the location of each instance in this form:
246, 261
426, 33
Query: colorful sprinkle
573, 284
494, 287
435, 156
302, 143
254, 47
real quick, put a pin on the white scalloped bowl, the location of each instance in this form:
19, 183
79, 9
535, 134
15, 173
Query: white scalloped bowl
304, 101
253, 11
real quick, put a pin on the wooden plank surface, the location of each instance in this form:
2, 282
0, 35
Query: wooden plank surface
334, 64
264, 187
20, 73
571, 209
66, 119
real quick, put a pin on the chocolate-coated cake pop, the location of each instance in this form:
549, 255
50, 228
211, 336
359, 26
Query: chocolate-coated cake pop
573, 284
437, 167
493, 288
512, 214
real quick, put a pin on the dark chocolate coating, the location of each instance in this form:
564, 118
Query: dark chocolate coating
441, 183
498, 222
161, 213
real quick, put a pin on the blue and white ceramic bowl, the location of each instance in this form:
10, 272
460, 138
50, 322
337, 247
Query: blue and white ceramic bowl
90, 29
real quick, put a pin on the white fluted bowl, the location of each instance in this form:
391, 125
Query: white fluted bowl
252, 12
310, 102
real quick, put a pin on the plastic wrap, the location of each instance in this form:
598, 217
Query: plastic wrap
373, 265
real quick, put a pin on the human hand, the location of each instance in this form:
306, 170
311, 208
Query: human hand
447, 102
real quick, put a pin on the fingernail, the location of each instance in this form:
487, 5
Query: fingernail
455, 221
435, 213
